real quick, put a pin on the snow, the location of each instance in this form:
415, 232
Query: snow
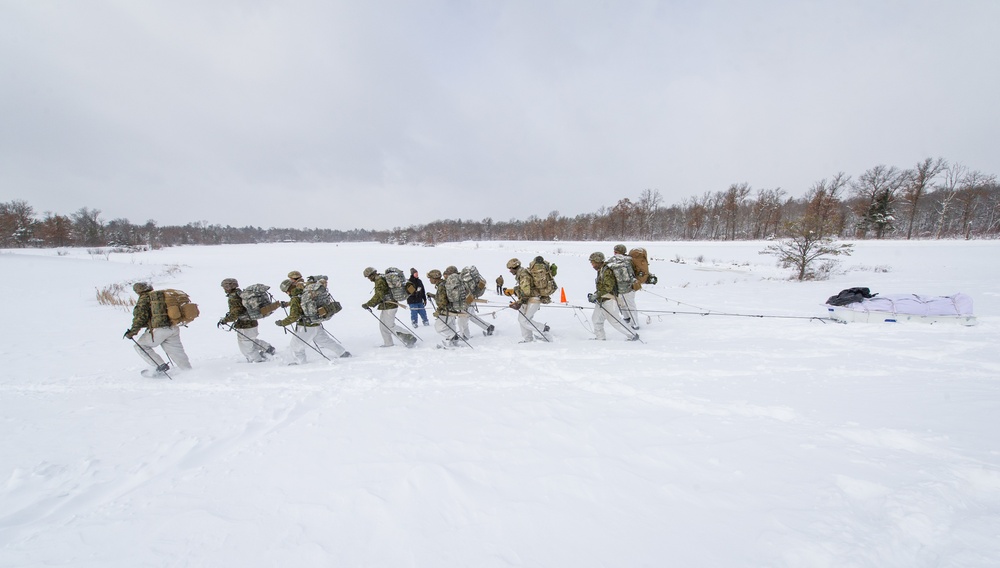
720, 440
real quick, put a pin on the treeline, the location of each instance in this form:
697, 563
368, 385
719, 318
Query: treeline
932, 200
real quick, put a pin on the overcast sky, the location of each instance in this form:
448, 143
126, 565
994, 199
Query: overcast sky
375, 114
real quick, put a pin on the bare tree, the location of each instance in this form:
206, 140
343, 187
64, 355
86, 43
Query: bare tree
824, 208
918, 180
803, 247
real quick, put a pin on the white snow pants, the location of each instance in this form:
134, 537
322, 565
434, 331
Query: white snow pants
606, 311
314, 336
447, 326
626, 304
524, 319
167, 337
250, 345
388, 329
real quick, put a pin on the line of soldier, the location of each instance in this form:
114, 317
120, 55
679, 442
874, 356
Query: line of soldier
452, 319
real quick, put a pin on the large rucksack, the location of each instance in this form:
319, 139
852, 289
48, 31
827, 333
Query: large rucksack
621, 266
640, 267
316, 302
474, 282
542, 282
258, 301
176, 304
457, 292
396, 280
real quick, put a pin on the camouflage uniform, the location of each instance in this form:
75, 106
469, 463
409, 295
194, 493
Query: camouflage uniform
527, 304
382, 300
605, 303
252, 347
446, 323
153, 316
306, 334
626, 298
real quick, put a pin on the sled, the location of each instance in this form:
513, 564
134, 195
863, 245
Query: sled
900, 308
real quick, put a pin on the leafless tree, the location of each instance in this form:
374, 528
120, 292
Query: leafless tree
876, 190
918, 181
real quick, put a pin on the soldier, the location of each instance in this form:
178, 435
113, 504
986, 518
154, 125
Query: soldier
626, 298
500, 285
604, 300
459, 309
526, 301
253, 348
446, 322
305, 334
153, 316
382, 299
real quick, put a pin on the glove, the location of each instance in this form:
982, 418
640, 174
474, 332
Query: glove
222, 322
515, 305
129, 334
508, 291
367, 307
284, 304
592, 298
278, 323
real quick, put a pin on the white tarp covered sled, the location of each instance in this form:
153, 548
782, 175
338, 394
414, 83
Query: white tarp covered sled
893, 308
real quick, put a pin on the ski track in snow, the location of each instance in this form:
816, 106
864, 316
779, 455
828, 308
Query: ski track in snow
788, 442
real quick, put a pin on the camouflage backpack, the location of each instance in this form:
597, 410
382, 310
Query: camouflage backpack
177, 306
474, 282
396, 280
457, 292
258, 301
621, 266
316, 302
542, 281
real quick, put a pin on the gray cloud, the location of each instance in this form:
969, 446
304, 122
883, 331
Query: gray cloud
378, 114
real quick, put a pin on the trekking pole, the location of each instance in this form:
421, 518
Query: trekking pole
407, 328
387, 328
310, 345
634, 336
150, 357
244, 336
451, 329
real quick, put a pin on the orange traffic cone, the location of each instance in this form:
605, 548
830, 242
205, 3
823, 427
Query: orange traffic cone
563, 296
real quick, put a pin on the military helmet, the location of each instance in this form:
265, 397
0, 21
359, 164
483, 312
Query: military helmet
140, 287
619, 249
450, 270
434, 274
369, 271
295, 275
286, 285
230, 284
513, 263
597, 257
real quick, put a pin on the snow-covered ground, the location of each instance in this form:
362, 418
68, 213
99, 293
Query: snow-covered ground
717, 441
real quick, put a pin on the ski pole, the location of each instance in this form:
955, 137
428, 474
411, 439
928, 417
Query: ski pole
634, 336
527, 319
150, 357
444, 321
387, 328
407, 328
310, 345
244, 336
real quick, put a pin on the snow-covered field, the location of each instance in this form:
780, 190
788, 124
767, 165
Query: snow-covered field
717, 441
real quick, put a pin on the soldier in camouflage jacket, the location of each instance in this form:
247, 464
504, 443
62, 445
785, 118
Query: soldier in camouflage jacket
605, 300
152, 315
252, 347
382, 299
305, 334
